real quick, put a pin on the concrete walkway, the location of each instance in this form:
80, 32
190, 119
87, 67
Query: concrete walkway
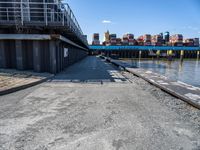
84, 116
92, 69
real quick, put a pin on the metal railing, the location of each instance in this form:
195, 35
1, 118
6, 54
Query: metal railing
26, 12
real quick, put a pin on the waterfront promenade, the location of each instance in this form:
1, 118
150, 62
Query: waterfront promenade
93, 105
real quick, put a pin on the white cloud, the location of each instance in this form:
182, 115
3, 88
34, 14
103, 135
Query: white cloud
106, 21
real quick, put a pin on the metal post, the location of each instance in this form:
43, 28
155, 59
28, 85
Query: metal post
22, 15
7, 14
45, 8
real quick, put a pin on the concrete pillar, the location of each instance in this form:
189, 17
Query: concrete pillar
19, 55
170, 53
37, 56
181, 55
2, 55
53, 61
140, 55
158, 54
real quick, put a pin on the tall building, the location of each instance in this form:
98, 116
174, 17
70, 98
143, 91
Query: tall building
95, 38
107, 36
166, 37
113, 39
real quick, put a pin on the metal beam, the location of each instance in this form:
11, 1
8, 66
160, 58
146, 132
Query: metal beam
62, 38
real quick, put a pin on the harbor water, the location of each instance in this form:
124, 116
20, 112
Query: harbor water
187, 71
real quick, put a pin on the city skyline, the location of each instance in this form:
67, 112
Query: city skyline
152, 17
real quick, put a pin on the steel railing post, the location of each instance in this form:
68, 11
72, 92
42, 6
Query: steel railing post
45, 15
7, 14
22, 15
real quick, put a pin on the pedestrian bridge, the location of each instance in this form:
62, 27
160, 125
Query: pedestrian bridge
141, 48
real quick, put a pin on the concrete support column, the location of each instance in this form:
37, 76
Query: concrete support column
2, 55
140, 55
181, 55
158, 54
53, 61
37, 56
170, 53
19, 55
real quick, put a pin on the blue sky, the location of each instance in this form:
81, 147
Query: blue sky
137, 16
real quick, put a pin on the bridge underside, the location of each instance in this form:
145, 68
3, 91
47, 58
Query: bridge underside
40, 53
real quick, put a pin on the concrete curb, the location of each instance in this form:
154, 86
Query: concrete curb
167, 90
22, 87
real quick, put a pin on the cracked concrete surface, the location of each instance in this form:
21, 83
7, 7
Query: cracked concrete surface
88, 116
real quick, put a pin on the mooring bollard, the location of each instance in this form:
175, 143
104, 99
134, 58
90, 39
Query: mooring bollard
182, 55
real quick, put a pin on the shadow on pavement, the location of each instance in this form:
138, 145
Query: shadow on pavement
90, 69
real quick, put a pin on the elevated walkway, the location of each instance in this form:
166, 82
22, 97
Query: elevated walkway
34, 16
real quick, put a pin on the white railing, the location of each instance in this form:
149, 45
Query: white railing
27, 12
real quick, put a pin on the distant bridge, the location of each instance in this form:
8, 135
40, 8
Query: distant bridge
141, 48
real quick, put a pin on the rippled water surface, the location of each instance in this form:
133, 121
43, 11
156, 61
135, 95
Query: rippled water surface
187, 71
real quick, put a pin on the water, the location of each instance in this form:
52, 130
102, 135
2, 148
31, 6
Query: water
186, 71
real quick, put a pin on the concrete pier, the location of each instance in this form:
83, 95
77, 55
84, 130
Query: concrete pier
40, 53
105, 109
